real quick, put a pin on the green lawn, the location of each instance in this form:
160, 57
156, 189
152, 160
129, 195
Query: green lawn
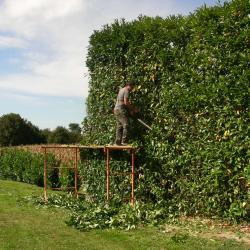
24, 226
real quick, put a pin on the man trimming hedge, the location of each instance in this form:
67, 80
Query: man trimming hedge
123, 109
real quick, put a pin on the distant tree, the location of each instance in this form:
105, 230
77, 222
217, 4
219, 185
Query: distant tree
46, 134
75, 127
60, 135
14, 130
75, 132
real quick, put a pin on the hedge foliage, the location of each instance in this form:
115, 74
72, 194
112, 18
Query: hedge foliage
192, 86
24, 166
92, 170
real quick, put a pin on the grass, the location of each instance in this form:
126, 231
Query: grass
24, 226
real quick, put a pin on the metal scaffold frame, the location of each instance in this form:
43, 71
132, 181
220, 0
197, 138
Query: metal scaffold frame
106, 149
76, 150
132, 151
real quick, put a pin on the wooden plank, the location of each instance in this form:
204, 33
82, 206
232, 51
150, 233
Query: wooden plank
116, 147
76, 146
112, 147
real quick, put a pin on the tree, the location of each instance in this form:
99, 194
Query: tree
75, 132
46, 134
60, 135
74, 127
14, 130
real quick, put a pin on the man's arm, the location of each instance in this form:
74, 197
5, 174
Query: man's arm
130, 106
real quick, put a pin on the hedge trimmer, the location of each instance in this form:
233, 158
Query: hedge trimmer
135, 116
143, 123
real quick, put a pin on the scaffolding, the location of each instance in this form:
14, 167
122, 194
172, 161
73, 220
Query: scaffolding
76, 156
132, 150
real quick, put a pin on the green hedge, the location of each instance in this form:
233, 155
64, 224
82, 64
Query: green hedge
192, 86
24, 166
92, 172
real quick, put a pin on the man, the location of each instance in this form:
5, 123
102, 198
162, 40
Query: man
123, 109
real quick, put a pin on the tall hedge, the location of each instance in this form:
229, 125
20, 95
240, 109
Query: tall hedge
192, 86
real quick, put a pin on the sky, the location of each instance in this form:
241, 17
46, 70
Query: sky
43, 47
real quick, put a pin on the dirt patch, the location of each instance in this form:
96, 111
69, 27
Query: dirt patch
209, 229
226, 236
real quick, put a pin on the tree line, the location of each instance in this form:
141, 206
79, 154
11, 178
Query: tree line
15, 130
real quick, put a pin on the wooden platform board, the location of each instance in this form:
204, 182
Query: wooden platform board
112, 147
117, 147
75, 146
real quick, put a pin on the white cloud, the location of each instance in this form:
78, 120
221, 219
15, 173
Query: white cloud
45, 9
11, 42
26, 17
53, 35
63, 84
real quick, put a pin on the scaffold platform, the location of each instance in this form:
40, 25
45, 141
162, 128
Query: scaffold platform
107, 151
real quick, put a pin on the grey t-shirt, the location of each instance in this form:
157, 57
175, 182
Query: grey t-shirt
122, 95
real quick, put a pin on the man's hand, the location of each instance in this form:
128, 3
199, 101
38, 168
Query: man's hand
136, 110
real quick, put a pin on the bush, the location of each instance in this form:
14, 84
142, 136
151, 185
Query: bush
192, 86
92, 172
24, 166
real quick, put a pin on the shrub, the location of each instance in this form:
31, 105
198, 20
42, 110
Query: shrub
24, 166
192, 86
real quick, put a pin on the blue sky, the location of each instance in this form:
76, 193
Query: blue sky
43, 46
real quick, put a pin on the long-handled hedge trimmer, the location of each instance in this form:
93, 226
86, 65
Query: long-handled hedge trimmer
143, 123
135, 116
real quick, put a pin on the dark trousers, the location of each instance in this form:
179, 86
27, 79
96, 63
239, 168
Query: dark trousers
122, 124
